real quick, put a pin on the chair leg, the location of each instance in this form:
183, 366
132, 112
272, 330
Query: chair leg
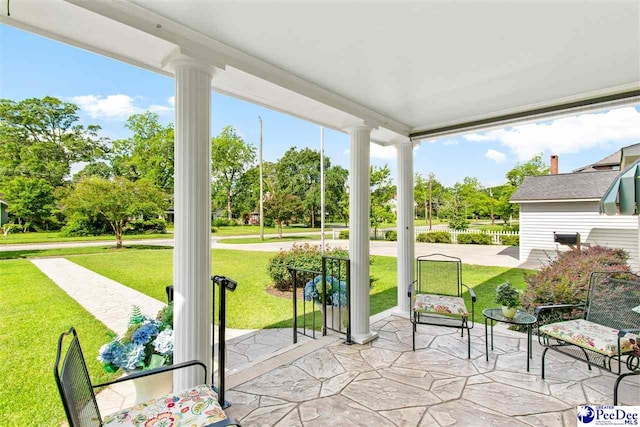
617, 383
544, 353
469, 343
414, 336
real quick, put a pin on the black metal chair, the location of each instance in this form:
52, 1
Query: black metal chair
438, 296
601, 332
81, 407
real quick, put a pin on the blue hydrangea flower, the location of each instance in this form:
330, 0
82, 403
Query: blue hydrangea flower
163, 343
144, 333
310, 292
339, 299
134, 357
111, 353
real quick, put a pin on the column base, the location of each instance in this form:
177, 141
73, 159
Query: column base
364, 338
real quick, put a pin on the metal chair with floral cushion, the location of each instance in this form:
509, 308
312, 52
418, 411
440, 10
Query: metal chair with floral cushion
197, 406
436, 296
602, 332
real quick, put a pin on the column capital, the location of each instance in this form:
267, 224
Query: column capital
178, 61
359, 127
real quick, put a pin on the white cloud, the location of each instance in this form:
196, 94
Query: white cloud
567, 135
172, 101
450, 142
115, 106
495, 155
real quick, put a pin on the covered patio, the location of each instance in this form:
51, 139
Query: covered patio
384, 383
395, 74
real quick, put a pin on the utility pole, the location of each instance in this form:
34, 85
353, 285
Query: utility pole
430, 199
261, 186
493, 222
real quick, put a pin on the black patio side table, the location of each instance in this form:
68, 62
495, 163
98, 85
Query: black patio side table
521, 318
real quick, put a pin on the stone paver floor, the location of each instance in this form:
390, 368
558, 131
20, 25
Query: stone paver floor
385, 383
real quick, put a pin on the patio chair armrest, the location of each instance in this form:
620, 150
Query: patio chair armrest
157, 371
623, 332
472, 293
539, 309
411, 287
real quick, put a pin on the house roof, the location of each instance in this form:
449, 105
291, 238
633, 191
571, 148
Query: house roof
611, 160
568, 186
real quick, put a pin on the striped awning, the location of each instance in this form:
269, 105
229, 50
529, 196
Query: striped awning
623, 196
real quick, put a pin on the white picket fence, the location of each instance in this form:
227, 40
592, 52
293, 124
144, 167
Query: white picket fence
495, 235
379, 234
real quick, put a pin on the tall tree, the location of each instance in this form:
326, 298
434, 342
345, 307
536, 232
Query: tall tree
149, 153
382, 192
230, 158
298, 173
515, 176
282, 207
30, 201
41, 138
117, 201
429, 193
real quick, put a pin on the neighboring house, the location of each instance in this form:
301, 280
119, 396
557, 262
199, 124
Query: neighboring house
616, 161
569, 203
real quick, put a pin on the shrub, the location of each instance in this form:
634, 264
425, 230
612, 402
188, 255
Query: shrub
474, 239
223, 222
510, 240
305, 257
566, 279
140, 226
344, 235
434, 237
458, 222
214, 229
391, 236
78, 225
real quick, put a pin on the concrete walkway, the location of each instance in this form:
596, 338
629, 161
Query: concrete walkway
107, 300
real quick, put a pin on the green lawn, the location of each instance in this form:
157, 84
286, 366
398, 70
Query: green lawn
34, 312
54, 236
33, 253
245, 230
250, 306
272, 239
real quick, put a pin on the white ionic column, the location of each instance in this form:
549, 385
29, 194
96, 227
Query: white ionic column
192, 252
406, 240
359, 190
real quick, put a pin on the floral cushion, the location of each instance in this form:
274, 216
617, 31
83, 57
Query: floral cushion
194, 407
427, 303
589, 335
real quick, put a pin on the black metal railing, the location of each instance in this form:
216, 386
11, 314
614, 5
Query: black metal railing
327, 292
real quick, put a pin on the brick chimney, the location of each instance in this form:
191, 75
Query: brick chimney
554, 165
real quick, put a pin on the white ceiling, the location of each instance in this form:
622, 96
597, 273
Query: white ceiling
404, 66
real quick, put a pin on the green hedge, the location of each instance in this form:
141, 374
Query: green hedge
344, 235
510, 240
474, 239
434, 237
391, 236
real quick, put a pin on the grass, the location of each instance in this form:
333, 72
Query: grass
55, 237
34, 312
37, 253
245, 230
250, 306
272, 239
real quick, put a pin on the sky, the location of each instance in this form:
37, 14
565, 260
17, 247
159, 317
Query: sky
108, 91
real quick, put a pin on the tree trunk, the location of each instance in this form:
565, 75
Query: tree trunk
119, 237
280, 229
313, 219
229, 205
